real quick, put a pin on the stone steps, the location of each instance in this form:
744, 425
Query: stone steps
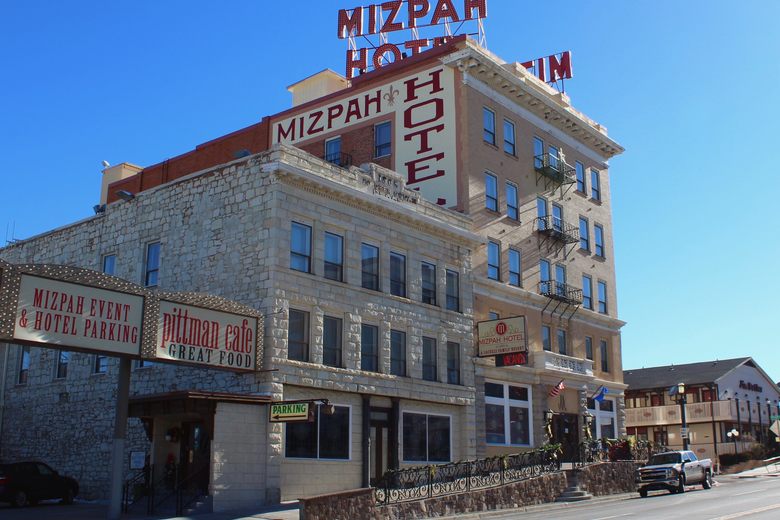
573, 493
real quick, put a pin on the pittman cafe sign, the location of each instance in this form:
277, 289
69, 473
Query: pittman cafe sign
505, 339
77, 309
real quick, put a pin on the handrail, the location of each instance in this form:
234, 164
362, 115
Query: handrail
170, 478
554, 168
130, 483
560, 291
182, 486
557, 228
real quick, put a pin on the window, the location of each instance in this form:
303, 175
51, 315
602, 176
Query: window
453, 363
298, 335
595, 185
584, 234
538, 153
334, 257
598, 238
300, 247
369, 348
493, 315
100, 364
491, 192
602, 297
489, 126
561, 341
511, 201
397, 353
494, 260
109, 264
514, 268
331, 341
63, 358
546, 338
544, 277
553, 150
453, 291
587, 292
382, 139
398, 274
144, 363
509, 137
24, 366
589, 347
507, 414
580, 172
541, 212
428, 272
557, 220
604, 414
333, 150
429, 359
370, 266
604, 353
560, 279
426, 438
152, 271
327, 437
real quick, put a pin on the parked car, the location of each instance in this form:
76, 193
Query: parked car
23, 483
673, 470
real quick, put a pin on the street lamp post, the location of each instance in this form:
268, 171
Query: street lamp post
684, 426
733, 434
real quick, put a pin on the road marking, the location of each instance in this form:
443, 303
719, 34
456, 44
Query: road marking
749, 492
747, 513
615, 516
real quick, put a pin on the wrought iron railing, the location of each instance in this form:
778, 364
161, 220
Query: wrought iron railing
561, 292
339, 159
135, 486
459, 477
189, 489
610, 450
557, 229
554, 169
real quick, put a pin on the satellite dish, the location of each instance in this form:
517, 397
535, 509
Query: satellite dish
106, 164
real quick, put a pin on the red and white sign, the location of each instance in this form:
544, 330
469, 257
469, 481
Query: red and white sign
553, 68
75, 316
421, 109
502, 336
206, 337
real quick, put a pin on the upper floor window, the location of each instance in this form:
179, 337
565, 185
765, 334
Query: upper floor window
489, 126
428, 283
546, 338
453, 290
509, 137
541, 212
369, 348
300, 247
109, 264
562, 341
370, 266
514, 268
604, 347
298, 335
494, 260
429, 359
334, 257
152, 271
554, 154
598, 236
331, 341
589, 347
544, 276
100, 364
398, 274
587, 292
602, 286
595, 185
511, 201
491, 192
493, 315
333, 150
24, 366
579, 169
584, 234
453, 363
63, 360
397, 353
538, 153
382, 139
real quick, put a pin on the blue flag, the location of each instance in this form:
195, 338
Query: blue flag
600, 394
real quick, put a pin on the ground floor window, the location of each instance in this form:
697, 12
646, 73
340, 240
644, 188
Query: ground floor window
639, 432
327, 437
507, 414
604, 418
426, 438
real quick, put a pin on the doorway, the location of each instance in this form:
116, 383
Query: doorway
379, 435
195, 456
566, 431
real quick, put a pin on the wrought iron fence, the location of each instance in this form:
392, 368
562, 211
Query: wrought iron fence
561, 292
609, 450
557, 228
457, 477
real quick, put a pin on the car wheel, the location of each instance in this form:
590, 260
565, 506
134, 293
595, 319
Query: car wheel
707, 484
643, 493
20, 499
67, 497
681, 484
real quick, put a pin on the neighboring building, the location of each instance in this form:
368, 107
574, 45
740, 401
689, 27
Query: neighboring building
371, 293
721, 396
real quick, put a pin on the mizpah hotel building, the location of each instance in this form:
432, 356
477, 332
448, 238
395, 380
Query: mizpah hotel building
373, 224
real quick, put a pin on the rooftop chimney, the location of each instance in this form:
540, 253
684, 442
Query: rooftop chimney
316, 86
116, 173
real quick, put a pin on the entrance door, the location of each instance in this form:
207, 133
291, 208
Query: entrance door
380, 443
566, 431
195, 456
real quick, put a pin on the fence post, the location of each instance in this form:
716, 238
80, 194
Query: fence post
468, 475
503, 467
430, 481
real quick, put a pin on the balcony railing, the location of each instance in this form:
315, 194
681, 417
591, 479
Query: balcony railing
694, 413
557, 229
554, 171
562, 363
339, 159
560, 292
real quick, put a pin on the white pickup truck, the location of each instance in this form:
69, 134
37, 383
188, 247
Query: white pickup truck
673, 470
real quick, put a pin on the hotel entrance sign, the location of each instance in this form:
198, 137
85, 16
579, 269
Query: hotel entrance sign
502, 336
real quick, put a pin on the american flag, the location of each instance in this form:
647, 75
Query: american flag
557, 389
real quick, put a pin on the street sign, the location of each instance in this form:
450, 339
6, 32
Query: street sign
684, 433
775, 417
291, 412
775, 428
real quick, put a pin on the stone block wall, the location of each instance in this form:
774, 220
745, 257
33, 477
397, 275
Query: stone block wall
609, 478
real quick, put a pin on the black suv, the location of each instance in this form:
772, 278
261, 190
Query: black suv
23, 483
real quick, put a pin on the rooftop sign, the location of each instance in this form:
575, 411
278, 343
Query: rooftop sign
502, 336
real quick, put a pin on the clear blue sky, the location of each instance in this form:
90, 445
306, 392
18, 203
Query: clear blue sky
688, 87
